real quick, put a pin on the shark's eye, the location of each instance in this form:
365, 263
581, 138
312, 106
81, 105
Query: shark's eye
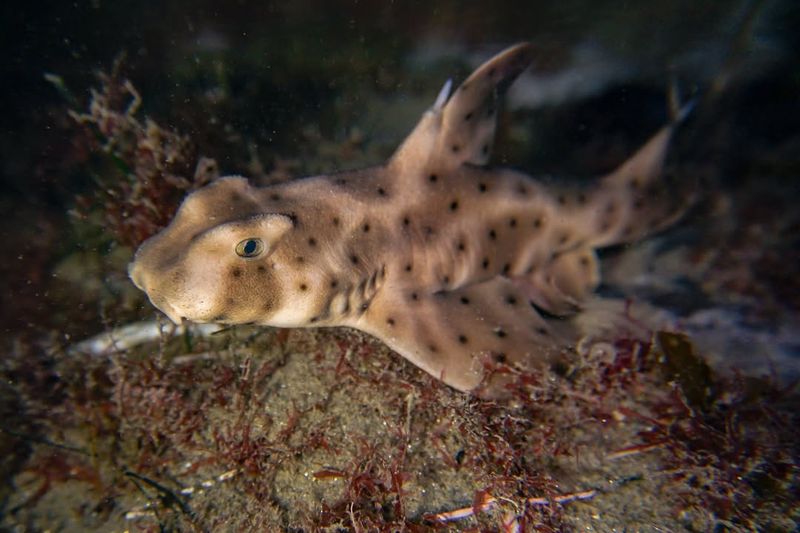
251, 247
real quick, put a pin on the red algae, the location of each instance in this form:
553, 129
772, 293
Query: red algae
257, 429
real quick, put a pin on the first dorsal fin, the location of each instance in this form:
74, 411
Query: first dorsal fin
470, 117
461, 129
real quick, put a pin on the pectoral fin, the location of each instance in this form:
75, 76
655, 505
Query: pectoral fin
450, 334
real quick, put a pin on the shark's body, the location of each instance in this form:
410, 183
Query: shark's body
444, 259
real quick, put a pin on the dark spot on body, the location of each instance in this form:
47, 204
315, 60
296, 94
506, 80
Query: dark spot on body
303, 287
219, 318
414, 296
390, 321
562, 199
236, 272
459, 457
500, 358
341, 181
365, 228
408, 267
463, 339
634, 184
584, 261
333, 284
485, 263
381, 191
482, 187
354, 259
312, 241
336, 221
638, 203
300, 259
541, 330
433, 348
364, 306
313, 319
563, 239
429, 230
446, 280
522, 190
511, 299
499, 332
454, 205
460, 246
512, 223
538, 222
506, 268
465, 300
485, 149
468, 116
433, 178
581, 198
274, 197
406, 221
455, 148
492, 234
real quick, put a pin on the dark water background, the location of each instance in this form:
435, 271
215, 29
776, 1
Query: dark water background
277, 67
263, 87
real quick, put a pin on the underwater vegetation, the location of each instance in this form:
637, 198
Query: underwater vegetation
211, 433
254, 428
258, 429
145, 182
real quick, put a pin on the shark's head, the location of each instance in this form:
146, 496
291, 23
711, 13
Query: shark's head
215, 262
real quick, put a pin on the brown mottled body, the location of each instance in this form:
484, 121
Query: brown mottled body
444, 259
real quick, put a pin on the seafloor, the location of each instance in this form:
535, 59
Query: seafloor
112, 113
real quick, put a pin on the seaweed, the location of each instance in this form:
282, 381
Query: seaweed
291, 430
730, 443
186, 431
149, 169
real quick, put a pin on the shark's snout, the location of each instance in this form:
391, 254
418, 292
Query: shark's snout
139, 277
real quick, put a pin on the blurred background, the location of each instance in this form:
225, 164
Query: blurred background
111, 111
274, 89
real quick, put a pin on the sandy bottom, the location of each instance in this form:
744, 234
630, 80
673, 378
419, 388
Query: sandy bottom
260, 429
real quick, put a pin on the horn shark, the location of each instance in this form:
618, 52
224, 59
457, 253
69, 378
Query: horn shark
443, 258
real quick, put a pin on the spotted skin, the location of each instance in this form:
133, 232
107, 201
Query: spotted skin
446, 260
